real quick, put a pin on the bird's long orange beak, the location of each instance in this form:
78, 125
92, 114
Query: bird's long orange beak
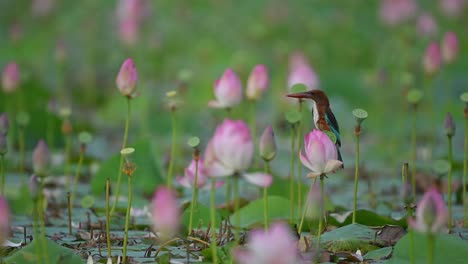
299, 95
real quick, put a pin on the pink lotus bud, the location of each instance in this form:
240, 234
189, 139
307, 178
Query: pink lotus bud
394, 12
127, 78
4, 220
165, 212
227, 90
452, 8
275, 245
4, 124
432, 59
449, 125
257, 82
426, 25
449, 47
10, 77
300, 72
431, 214
268, 144
320, 154
41, 159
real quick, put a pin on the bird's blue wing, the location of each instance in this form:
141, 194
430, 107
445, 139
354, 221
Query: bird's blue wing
333, 124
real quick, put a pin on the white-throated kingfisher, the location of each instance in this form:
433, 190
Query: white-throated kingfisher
324, 119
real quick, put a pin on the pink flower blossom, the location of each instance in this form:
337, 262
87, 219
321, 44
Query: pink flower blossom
426, 25
394, 12
230, 151
127, 78
4, 220
274, 246
320, 154
41, 159
452, 8
129, 14
431, 213
300, 72
10, 77
449, 47
257, 82
165, 212
227, 90
188, 180
432, 59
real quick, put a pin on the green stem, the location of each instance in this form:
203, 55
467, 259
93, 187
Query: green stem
70, 231
214, 250
2, 164
322, 205
127, 220
306, 207
465, 171
430, 248
36, 231
109, 248
171, 161
42, 221
356, 175
22, 148
409, 214
299, 165
291, 175
265, 198
449, 184
67, 159
235, 187
77, 176
124, 144
194, 197
413, 154
228, 190
50, 131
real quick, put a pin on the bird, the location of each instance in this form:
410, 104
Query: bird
324, 119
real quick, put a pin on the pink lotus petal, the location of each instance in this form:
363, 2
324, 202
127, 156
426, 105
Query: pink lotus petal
259, 179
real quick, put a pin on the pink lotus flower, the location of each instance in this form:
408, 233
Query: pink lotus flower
4, 220
274, 246
10, 77
129, 14
300, 72
41, 159
165, 212
394, 12
452, 8
127, 78
449, 47
320, 154
230, 151
426, 25
257, 82
188, 180
432, 59
431, 213
227, 90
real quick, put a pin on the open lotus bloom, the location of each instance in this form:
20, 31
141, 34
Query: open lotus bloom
320, 154
230, 151
4, 220
300, 72
10, 77
257, 82
127, 78
165, 212
431, 214
276, 245
227, 90
188, 180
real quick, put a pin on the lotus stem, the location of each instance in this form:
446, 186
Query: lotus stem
127, 219
235, 188
465, 170
265, 198
77, 173
413, 153
299, 164
109, 247
357, 133
291, 174
449, 183
430, 248
214, 244
194, 196
171, 160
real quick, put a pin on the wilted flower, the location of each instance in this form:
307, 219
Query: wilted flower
449, 47
449, 125
257, 82
452, 8
432, 59
426, 25
300, 72
4, 124
4, 220
393, 12
230, 151
188, 180
227, 90
320, 154
268, 144
41, 159
276, 245
165, 212
10, 77
431, 213
127, 78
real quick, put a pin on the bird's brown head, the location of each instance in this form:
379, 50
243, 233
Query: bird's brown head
317, 95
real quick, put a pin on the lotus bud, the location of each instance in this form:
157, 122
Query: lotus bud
165, 212
127, 79
4, 124
227, 90
10, 77
449, 47
268, 144
257, 82
449, 125
432, 59
431, 213
41, 159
